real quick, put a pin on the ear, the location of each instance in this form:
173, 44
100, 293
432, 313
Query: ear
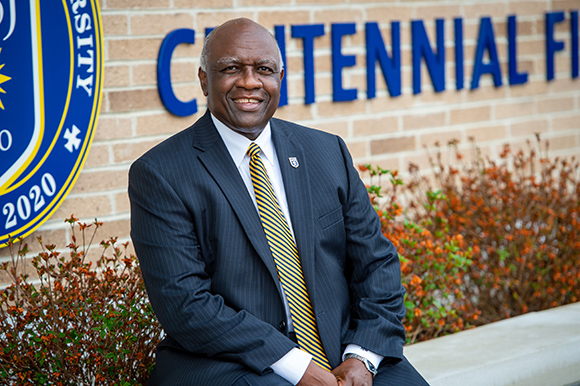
281, 74
202, 80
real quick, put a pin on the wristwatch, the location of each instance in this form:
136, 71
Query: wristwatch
370, 367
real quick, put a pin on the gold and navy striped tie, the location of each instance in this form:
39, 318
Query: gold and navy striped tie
287, 261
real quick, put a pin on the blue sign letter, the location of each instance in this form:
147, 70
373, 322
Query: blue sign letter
515, 77
574, 41
486, 41
458, 26
280, 33
339, 61
172, 40
422, 49
391, 67
308, 33
551, 45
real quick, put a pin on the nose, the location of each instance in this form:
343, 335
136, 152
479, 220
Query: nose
249, 78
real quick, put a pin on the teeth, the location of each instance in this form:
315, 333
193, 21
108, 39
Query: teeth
246, 100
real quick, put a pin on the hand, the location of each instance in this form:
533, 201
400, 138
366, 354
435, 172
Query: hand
353, 372
317, 376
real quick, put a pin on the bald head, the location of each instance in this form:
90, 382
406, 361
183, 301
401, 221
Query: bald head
225, 30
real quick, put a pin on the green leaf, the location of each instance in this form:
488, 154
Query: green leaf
503, 254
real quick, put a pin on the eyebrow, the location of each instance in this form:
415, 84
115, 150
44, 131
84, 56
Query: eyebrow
226, 61
231, 60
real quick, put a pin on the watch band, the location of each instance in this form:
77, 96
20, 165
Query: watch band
368, 364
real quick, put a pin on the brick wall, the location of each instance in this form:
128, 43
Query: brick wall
387, 131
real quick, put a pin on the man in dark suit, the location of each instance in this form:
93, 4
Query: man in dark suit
210, 265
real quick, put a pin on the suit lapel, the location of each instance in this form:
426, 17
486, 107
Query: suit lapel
298, 194
217, 160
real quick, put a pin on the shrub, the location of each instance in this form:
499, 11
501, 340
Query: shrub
521, 218
76, 324
433, 266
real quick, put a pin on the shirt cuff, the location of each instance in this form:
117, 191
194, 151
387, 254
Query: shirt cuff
292, 366
375, 359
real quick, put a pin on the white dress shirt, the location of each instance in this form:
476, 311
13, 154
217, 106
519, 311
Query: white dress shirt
291, 366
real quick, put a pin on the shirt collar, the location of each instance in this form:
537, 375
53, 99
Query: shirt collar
237, 144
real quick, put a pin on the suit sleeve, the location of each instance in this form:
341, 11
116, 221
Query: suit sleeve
178, 285
373, 274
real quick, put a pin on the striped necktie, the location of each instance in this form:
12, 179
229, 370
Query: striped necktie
287, 261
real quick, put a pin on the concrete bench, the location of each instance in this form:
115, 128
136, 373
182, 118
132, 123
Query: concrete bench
539, 348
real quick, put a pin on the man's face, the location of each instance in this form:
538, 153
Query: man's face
242, 82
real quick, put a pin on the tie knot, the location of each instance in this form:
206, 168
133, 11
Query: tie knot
253, 150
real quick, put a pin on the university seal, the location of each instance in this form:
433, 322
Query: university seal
51, 69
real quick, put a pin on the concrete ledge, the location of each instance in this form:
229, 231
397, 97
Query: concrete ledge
536, 349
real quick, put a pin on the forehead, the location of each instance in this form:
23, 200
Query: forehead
243, 44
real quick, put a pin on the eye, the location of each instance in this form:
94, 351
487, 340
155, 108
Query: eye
230, 69
265, 70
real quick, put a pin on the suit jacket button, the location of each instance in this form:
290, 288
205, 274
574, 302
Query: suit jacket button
282, 325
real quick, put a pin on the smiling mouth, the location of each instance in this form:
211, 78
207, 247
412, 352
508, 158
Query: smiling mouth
248, 104
246, 101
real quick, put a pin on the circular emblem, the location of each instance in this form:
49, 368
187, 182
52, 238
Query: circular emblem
51, 67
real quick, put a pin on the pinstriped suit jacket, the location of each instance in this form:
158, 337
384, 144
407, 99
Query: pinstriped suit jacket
209, 272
